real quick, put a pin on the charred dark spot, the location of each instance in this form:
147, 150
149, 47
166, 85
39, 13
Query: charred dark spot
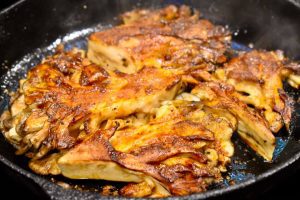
124, 62
244, 93
167, 57
251, 106
261, 81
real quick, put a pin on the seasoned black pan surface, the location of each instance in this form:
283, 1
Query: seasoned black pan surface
30, 30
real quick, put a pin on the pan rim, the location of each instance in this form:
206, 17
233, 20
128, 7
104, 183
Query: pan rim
41, 181
6, 10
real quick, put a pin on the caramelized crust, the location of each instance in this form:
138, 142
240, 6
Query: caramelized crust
185, 153
154, 103
67, 96
251, 126
258, 79
182, 40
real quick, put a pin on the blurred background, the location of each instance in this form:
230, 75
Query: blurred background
288, 188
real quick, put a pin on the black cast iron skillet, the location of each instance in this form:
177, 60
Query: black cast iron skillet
30, 30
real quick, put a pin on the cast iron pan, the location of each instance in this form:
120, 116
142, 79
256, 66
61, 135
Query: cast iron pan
30, 30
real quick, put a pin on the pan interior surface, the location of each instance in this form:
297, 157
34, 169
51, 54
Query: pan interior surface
246, 166
245, 163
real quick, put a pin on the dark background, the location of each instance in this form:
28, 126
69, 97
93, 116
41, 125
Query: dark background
287, 188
